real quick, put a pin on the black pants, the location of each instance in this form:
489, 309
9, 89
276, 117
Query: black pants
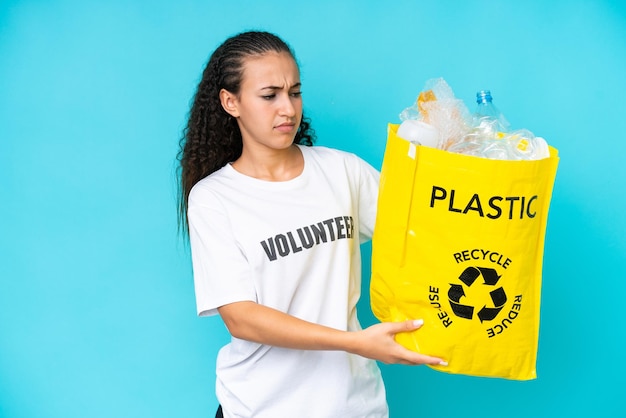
219, 413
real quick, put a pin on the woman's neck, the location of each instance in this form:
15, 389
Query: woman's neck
271, 165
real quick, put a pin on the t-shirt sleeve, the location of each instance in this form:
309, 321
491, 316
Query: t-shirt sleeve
369, 179
221, 271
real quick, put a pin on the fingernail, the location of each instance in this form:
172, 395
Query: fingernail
443, 363
418, 322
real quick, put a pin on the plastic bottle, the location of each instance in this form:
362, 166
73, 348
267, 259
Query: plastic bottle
485, 139
491, 136
487, 112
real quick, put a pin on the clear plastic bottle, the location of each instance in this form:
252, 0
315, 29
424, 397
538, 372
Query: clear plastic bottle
490, 136
487, 112
485, 139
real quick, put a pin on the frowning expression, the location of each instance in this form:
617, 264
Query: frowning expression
268, 107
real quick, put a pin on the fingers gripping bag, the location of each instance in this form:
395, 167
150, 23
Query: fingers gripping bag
459, 242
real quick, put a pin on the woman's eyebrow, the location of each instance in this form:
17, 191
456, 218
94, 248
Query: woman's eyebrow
295, 86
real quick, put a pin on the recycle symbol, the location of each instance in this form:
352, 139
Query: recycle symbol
468, 277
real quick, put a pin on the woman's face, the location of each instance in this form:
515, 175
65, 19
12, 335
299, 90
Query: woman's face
268, 107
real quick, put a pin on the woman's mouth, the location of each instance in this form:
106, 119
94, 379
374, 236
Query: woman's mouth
285, 127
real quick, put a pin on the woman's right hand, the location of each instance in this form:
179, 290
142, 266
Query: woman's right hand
378, 343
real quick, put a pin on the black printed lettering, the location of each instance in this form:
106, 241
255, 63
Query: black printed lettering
519, 207
331, 230
482, 255
512, 200
528, 212
438, 193
270, 249
349, 226
474, 204
319, 232
340, 227
451, 207
306, 237
308, 241
294, 247
508, 320
282, 245
492, 205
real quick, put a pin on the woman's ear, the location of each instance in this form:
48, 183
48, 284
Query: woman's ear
229, 103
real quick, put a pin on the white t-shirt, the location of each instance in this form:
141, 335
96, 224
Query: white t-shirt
293, 246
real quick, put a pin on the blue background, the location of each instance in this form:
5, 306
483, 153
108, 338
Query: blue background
97, 312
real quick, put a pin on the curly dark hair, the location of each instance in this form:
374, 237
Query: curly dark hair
212, 137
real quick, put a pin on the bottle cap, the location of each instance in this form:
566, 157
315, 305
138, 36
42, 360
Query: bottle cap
483, 96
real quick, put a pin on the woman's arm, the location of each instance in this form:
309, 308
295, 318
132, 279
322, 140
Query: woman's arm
253, 322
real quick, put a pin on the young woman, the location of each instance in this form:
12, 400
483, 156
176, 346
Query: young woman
275, 226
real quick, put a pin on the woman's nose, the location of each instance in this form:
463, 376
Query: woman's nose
287, 108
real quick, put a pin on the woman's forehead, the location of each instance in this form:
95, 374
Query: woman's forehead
272, 69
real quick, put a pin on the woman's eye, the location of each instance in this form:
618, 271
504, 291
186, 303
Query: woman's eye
296, 94
269, 96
